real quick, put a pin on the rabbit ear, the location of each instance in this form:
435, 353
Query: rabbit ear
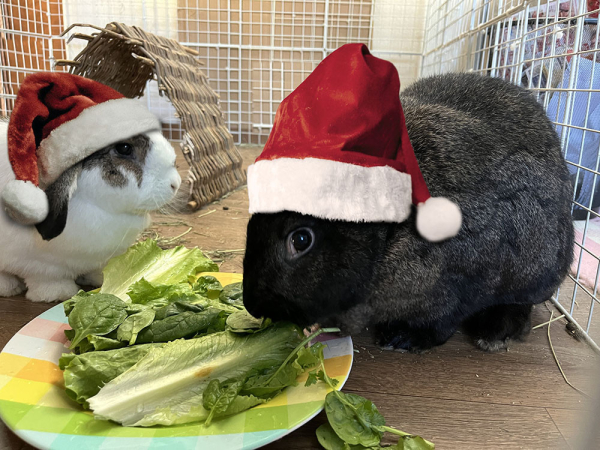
59, 194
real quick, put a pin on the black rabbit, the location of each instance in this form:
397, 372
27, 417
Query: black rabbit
481, 142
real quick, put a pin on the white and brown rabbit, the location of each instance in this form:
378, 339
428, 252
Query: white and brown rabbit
102, 170
481, 142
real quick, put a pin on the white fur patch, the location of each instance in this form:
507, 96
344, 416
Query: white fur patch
95, 128
438, 219
329, 190
24, 202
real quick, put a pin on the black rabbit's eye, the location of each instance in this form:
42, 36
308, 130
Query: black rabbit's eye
300, 241
124, 149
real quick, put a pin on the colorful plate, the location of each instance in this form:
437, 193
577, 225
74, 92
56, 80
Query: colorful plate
34, 405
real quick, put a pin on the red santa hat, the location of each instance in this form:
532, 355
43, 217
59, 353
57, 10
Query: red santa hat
58, 120
339, 149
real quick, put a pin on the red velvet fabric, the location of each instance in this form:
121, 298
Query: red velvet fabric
44, 102
348, 110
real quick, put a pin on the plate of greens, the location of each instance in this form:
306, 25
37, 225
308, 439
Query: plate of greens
164, 355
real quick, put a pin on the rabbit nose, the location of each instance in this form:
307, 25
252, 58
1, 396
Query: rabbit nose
175, 183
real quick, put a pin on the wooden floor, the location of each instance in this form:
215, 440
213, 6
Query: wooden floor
454, 395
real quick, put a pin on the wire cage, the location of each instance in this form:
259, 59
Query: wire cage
256, 52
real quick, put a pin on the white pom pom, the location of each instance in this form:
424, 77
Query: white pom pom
438, 219
24, 202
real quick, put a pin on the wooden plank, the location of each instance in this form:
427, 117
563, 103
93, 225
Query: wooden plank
453, 424
526, 375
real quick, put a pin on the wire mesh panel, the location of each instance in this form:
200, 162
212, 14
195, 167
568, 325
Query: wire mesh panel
550, 47
255, 51
26, 43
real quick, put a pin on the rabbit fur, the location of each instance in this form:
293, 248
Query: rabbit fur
488, 146
97, 209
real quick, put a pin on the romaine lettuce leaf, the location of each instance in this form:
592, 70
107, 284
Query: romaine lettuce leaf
166, 386
147, 260
156, 295
85, 374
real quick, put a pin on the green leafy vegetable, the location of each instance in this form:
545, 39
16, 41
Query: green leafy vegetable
217, 398
208, 286
309, 356
354, 419
331, 441
85, 374
354, 422
147, 260
271, 383
96, 315
166, 386
104, 343
68, 305
243, 322
232, 294
179, 326
145, 293
177, 308
133, 324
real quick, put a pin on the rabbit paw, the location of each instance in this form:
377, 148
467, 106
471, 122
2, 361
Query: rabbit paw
93, 279
51, 290
494, 327
399, 336
10, 285
492, 346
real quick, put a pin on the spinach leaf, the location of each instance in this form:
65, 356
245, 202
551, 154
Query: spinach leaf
242, 322
133, 324
181, 325
232, 294
96, 314
354, 418
208, 286
354, 421
68, 305
241, 403
218, 397
177, 308
331, 441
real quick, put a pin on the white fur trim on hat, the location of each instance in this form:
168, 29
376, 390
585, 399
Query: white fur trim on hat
94, 128
438, 218
24, 202
329, 190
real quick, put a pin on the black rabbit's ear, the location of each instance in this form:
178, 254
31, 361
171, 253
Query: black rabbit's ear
59, 194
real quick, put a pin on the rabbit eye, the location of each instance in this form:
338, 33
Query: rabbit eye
300, 241
124, 149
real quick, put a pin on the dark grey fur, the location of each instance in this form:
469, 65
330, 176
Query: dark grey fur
488, 146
